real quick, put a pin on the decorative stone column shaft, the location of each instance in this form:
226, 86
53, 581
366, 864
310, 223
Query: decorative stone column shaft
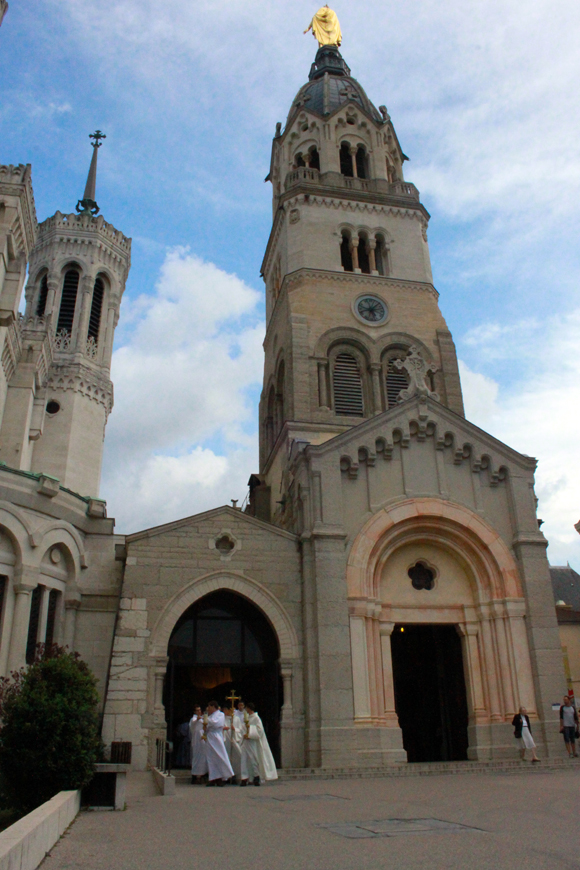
20, 621
376, 369
386, 630
323, 383
354, 250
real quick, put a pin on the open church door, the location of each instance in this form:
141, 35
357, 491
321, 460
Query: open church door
222, 642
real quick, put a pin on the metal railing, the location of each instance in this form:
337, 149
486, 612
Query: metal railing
163, 753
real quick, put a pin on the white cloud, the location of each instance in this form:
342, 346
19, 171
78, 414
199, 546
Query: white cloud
540, 416
185, 376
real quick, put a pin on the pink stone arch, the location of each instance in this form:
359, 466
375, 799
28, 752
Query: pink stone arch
451, 524
234, 582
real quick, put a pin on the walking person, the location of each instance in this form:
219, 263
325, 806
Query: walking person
569, 726
257, 759
198, 747
219, 767
523, 734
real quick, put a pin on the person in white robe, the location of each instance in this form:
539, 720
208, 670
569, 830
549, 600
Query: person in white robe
218, 763
198, 747
257, 760
233, 733
239, 711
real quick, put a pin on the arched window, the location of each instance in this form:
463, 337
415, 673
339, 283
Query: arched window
41, 304
300, 160
361, 162
363, 255
396, 379
314, 161
346, 253
270, 413
96, 308
380, 255
346, 160
279, 410
68, 301
347, 386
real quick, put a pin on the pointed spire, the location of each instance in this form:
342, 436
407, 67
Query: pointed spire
88, 205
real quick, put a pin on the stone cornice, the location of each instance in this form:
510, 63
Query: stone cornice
17, 181
83, 228
80, 378
302, 276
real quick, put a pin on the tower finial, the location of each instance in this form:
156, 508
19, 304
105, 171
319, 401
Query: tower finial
88, 205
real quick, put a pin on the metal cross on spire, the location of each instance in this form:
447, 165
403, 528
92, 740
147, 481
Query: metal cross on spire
87, 205
97, 136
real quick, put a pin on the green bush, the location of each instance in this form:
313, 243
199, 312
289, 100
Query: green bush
49, 731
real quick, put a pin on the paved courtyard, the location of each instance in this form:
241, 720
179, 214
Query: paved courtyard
527, 820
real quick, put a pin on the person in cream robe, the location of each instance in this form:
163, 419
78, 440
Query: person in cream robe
218, 763
257, 760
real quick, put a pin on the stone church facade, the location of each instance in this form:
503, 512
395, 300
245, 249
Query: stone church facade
389, 557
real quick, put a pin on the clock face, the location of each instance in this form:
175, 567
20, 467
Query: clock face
372, 309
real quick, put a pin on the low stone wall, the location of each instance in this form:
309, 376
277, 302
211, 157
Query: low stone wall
25, 843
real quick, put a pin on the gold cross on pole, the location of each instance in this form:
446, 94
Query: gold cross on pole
233, 698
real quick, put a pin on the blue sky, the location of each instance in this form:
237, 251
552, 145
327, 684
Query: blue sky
484, 99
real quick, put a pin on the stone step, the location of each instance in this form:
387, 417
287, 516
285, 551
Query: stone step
432, 768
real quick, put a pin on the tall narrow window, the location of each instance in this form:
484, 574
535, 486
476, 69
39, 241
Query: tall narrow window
380, 255
51, 617
68, 301
396, 381
346, 254
3, 584
347, 384
361, 162
36, 598
346, 160
96, 308
363, 256
314, 158
41, 304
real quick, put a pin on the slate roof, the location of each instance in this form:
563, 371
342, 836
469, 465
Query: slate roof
324, 94
566, 585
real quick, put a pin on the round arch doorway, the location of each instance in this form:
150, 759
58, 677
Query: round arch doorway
223, 642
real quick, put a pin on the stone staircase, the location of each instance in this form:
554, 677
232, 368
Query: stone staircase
433, 768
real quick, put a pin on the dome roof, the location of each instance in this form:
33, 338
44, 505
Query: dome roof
330, 86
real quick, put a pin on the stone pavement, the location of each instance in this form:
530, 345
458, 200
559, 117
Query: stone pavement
495, 821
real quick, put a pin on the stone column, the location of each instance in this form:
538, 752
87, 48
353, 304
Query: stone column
504, 661
107, 351
490, 670
372, 259
323, 383
354, 251
376, 369
71, 605
87, 285
43, 616
52, 284
525, 696
353, 150
160, 669
360, 668
472, 665
20, 620
386, 630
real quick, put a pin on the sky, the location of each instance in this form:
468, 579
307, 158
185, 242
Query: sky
484, 98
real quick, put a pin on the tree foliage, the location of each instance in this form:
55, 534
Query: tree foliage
49, 728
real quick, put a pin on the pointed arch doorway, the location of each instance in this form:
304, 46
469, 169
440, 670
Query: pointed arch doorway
223, 642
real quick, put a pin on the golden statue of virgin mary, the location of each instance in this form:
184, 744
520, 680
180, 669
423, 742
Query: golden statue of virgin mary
325, 27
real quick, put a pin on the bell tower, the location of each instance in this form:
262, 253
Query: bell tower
350, 300
61, 394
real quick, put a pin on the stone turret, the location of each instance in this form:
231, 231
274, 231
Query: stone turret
61, 393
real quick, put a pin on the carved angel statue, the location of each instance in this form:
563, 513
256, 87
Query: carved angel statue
325, 27
417, 370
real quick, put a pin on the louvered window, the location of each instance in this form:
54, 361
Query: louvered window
51, 617
96, 307
42, 297
346, 254
68, 301
348, 394
396, 381
33, 624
